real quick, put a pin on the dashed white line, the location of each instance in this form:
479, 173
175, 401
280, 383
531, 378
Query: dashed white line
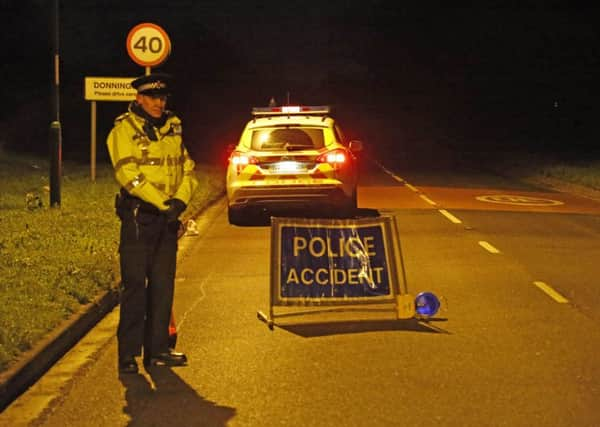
488, 247
551, 292
451, 217
415, 189
427, 199
390, 173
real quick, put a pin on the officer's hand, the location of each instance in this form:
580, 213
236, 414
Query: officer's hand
176, 207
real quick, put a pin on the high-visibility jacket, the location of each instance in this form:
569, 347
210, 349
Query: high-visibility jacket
153, 170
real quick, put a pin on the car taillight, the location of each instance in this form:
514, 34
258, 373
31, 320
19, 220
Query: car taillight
336, 158
240, 160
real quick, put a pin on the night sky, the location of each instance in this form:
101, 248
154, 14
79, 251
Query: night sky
483, 77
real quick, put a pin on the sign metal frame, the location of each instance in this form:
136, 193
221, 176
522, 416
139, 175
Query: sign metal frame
393, 260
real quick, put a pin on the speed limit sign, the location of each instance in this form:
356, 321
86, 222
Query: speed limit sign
148, 44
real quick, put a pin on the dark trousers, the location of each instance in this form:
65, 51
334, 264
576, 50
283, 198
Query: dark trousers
148, 254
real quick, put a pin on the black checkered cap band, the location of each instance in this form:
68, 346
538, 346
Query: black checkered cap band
152, 86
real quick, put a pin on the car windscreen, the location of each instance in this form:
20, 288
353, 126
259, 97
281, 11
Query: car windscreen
287, 138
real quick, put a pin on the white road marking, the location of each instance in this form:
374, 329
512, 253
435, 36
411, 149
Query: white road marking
415, 189
451, 217
551, 292
390, 173
428, 200
512, 199
386, 170
491, 249
487, 246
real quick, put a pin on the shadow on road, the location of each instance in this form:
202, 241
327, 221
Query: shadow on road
262, 218
309, 330
169, 402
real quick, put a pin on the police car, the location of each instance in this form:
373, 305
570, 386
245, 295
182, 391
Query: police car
291, 157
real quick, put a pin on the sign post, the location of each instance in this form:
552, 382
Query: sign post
55, 134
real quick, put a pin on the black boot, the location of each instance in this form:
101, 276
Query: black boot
128, 365
169, 358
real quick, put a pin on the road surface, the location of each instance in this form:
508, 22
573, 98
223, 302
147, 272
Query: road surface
515, 344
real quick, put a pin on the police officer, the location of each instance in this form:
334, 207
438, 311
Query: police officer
157, 181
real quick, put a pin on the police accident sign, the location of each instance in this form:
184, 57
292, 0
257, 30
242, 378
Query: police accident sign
325, 261
109, 89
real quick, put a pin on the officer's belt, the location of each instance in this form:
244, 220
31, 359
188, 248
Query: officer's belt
128, 201
150, 161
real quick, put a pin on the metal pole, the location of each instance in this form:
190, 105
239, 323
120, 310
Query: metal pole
93, 142
55, 128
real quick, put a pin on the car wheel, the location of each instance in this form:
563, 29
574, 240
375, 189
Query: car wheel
235, 216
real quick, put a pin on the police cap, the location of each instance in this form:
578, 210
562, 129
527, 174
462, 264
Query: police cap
153, 84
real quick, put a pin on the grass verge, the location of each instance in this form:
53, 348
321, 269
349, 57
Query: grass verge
577, 169
587, 174
54, 260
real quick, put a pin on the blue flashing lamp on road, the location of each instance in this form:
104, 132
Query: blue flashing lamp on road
427, 304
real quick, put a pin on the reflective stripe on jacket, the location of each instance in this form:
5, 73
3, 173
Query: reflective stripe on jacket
154, 171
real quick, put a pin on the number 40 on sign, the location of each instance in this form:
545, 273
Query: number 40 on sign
148, 45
